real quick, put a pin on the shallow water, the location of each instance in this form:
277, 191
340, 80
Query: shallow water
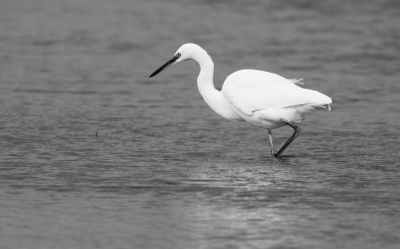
164, 171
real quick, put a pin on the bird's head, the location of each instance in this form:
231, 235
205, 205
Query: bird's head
184, 53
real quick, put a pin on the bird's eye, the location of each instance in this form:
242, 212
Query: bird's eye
178, 54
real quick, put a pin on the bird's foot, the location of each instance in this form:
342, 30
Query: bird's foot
276, 155
297, 81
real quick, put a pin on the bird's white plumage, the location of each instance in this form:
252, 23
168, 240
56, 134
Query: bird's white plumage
254, 93
260, 98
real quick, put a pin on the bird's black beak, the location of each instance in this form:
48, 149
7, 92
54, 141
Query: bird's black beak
166, 65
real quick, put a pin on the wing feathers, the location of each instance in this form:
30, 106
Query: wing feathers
249, 96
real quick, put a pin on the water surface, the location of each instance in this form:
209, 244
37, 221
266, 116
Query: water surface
164, 171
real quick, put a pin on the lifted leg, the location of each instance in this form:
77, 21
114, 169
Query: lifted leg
295, 134
270, 142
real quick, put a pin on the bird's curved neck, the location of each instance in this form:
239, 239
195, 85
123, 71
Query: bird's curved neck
205, 80
211, 96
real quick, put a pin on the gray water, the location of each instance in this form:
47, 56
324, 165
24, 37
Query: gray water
164, 170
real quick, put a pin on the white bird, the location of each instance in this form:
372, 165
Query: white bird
260, 98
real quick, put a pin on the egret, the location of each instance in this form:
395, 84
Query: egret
263, 99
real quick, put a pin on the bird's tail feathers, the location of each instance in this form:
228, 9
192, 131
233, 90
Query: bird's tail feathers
324, 106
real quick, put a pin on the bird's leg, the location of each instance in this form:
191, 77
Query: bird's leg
270, 142
295, 134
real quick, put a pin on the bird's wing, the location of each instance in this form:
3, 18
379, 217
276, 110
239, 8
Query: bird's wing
249, 95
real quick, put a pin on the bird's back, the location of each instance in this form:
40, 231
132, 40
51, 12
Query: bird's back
253, 91
255, 78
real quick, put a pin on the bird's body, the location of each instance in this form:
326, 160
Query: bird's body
263, 99
260, 98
